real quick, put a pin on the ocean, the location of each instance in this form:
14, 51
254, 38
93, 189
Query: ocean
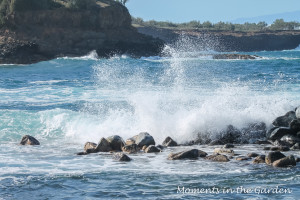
66, 102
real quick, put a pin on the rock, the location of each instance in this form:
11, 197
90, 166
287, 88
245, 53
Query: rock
267, 148
121, 157
131, 140
202, 154
280, 132
298, 112
189, 154
252, 155
262, 142
82, 153
144, 147
103, 146
295, 125
116, 142
296, 146
285, 162
217, 158
290, 139
144, 139
216, 142
228, 146
281, 143
253, 132
280, 148
273, 156
133, 148
259, 159
270, 130
169, 142
297, 159
241, 158
285, 120
230, 135
222, 151
29, 140
160, 147
152, 149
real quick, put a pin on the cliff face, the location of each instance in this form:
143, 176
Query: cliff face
37, 35
230, 41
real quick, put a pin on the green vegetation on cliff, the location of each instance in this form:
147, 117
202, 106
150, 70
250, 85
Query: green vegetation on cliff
278, 24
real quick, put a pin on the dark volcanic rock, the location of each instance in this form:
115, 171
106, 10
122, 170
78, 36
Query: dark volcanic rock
285, 162
295, 125
152, 149
280, 132
273, 156
121, 157
169, 142
285, 120
217, 158
144, 138
29, 140
259, 159
133, 148
103, 146
189, 154
116, 142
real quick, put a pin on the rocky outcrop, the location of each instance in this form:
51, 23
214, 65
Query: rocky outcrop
189, 154
144, 139
228, 40
30, 36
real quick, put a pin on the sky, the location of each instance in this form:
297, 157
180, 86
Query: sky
208, 10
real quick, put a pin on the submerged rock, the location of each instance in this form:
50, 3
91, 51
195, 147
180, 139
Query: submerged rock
259, 159
273, 156
189, 154
152, 149
116, 142
169, 142
133, 148
29, 140
285, 162
218, 158
241, 158
285, 120
144, 138
121, 157
252, 155
103, 146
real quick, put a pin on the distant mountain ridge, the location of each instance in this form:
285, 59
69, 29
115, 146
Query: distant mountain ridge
287, 16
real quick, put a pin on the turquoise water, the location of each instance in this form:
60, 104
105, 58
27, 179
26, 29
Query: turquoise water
68, 101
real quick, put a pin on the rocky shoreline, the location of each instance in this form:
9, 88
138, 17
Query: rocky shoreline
282, 136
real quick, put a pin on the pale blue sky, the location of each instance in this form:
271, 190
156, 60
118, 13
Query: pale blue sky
212, 10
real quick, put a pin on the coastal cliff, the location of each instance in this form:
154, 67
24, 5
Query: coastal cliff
33, 35
229, 40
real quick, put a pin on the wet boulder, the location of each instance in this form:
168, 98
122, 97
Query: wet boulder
29, 140
262, 142
230, 135
152, 149
133, 148
290, 139
285, 162
278, 133
116, 142
228, 146
280, 148
241, 158
103, 146
296, 146
273, 156
144, 138
295, 125
252, 155
131, 140
121, 157
217, 158
285, 120
169, 142
259, 159
189, 154
89, 147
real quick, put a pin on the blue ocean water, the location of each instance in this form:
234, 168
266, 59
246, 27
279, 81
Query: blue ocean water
66, 102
